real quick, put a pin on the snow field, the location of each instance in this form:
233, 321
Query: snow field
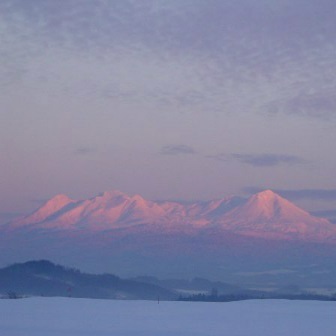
86, 317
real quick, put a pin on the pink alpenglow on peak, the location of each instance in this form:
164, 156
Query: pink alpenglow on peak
49, 208
268, 215
269, 205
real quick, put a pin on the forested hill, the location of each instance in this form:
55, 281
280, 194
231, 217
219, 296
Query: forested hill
43, 278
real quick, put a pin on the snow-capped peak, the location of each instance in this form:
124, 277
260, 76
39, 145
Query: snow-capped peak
267, 194
269, 205
58, 201
49, 208
54, 204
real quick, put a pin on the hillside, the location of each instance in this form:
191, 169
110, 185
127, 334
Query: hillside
43, 278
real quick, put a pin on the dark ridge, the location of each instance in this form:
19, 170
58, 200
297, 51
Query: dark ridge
44, 278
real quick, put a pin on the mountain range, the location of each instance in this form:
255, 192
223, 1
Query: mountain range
260, 240
265, 214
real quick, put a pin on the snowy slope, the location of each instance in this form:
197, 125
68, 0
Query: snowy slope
74, 317
51, 207
114, 209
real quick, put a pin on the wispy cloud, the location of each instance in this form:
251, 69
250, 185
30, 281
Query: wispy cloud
84, 151
219, 157
264, 160
114, 54
318, 105
177, 150
260, 160
299, 194
106, 49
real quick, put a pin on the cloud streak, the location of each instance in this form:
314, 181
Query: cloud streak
83, 151
260, 160
299, 194
177, 150
165, 52
319, 105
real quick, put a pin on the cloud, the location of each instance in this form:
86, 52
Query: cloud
318, 105
166, 54
266, 160
260, 160
84, 151
299, 194
219, 157
177, 150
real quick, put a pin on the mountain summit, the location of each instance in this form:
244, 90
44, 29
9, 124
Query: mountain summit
269, 206
268, 215
48, 209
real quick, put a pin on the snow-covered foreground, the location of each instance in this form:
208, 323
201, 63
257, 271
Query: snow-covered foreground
71, 317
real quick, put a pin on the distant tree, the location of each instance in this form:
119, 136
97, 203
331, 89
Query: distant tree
12, 295
214, 292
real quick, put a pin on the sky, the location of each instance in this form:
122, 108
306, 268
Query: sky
192, 99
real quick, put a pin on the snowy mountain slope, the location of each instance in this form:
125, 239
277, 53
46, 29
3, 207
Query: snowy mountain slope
107, 210
269, 215
48, 209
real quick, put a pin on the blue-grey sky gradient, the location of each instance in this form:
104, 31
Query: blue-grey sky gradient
92, 91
